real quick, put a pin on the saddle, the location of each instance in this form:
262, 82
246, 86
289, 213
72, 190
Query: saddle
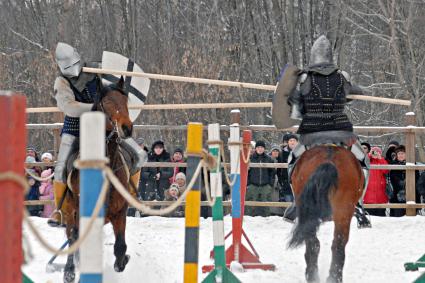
130, 156
337, 138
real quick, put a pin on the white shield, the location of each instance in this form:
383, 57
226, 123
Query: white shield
136, 87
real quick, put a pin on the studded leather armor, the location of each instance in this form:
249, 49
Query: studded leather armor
323, 104
71, 125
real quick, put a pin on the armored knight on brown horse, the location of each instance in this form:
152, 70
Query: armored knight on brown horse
317, 96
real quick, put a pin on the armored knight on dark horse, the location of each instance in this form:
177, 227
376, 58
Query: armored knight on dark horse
317, 95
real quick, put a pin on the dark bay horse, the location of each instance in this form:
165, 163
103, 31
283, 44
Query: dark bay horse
327, 183
113, 102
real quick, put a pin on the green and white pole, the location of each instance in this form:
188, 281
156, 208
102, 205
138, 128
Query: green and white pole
220, 273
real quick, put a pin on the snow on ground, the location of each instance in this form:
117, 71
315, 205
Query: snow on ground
156, 246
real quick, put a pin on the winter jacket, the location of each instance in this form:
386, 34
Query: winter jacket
46, 193
398, 181
261, 176
375, 192
177, 170
153, 186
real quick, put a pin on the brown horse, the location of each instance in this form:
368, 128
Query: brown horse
113, 102
327, 183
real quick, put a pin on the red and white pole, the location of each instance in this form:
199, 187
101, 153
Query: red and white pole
12, 152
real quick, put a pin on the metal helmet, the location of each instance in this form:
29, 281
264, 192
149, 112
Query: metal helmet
321, 51
68, 60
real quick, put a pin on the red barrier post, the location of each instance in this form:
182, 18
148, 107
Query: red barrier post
12, 152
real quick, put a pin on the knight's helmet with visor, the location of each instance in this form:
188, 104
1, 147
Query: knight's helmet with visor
68, 60
321, 52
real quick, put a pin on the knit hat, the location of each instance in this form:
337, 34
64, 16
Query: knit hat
174, 187
275, 147
393, 143
260, 143
46, 173
400, 148
47, 155
30, 147
158, 143
180, 175
178, 149
288, 136
291, 136
376, 149
140, 141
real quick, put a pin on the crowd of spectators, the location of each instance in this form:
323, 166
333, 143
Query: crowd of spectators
264, 184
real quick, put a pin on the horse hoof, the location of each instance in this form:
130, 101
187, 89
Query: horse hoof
69, 277
121, 267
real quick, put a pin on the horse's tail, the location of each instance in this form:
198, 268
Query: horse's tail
314, 204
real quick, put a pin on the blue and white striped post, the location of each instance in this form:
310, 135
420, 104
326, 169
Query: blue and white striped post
92, 144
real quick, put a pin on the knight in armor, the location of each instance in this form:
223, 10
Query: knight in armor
75, 93
319, 101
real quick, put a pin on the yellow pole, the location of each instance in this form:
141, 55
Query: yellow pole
193, 204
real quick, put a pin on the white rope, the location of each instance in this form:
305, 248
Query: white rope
40, 179
76, 245
144, 208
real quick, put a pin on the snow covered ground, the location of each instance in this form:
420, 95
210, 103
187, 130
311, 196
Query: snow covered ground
156, 246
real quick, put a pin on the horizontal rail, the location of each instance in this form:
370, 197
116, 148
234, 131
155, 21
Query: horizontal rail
251, 165
249, 203
187, 106
265, 128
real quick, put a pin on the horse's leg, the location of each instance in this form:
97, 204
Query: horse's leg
72, 233
341, 234
312, 248
120, 247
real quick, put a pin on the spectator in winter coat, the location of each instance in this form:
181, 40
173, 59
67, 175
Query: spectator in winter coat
282, 173
398, 182
46, 193
274, 154
375, 192
175, 191
260, 181
156, 178
179, 158
33, 194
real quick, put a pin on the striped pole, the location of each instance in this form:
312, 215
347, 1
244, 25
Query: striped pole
235, 174
92, 145
193, 204
12, 152
220, 272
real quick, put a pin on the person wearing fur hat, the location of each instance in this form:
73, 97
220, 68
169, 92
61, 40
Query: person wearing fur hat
375, 192
156, 178
260, 181
390, 155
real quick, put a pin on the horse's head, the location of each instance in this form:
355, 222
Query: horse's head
112, 100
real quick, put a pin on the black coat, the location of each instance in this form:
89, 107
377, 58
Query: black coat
148, 175
261, 176
398, 181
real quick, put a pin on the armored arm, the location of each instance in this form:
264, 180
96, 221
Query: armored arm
65, 99
349, 87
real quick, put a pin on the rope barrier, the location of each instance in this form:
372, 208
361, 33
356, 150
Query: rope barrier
12, 176
40, 179
144, 208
